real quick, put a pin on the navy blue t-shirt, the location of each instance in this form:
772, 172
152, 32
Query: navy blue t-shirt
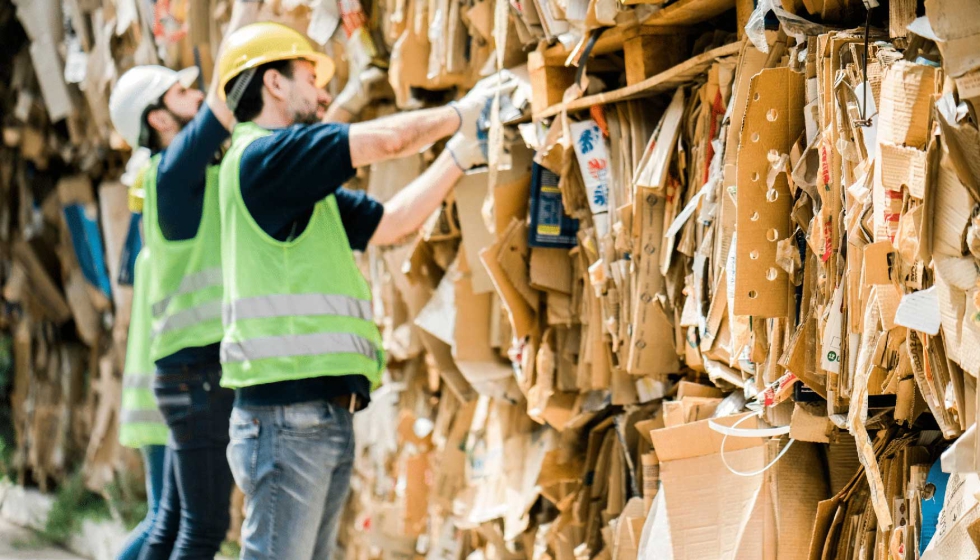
283, 176
286, 173
180, 197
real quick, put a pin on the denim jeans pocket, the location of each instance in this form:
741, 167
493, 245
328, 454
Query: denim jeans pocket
243, 451
307, 420
176, 403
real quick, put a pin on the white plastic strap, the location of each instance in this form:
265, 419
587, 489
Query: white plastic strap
734, 431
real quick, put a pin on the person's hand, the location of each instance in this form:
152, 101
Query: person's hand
354, 97
468, 153
471, 106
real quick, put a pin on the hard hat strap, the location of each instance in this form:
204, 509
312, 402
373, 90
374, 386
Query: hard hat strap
234, 97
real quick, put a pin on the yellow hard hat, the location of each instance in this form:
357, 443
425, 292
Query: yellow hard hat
259, 43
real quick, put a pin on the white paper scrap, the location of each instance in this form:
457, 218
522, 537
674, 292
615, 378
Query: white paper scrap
919, 311
831, 343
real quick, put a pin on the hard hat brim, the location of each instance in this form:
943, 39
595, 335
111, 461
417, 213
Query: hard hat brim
325, 69
188, 76
323, 66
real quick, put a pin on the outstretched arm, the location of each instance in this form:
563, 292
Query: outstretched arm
411, 207
400, 135
243, 13
407, 133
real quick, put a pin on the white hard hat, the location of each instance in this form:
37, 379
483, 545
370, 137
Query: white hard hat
139, 88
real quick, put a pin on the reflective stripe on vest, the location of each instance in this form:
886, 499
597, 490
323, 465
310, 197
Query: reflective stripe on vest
130, 416
140, 422
287, 305
297, 345
191, 283
188, 318
138, 381
183, 399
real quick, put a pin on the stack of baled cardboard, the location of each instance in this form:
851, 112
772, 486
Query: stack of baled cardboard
715, 300
715, 297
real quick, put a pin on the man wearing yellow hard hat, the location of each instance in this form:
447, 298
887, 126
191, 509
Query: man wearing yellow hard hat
300, 345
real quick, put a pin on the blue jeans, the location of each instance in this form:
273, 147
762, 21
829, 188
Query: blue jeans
154, 457
197, 410
294, 465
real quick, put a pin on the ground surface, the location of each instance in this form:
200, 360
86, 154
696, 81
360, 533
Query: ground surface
17, 543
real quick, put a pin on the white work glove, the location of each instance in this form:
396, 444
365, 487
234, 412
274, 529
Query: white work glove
354, 97
471, 106
468, 153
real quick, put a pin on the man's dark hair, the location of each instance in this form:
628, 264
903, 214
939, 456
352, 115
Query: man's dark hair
149, 137
250, 104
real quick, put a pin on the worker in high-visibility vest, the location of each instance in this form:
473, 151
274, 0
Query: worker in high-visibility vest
159, 111
141, 426
300, 347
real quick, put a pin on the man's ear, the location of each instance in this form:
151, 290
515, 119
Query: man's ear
160, 120
273, 81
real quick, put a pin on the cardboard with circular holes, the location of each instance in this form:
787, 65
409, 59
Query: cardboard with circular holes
772, 123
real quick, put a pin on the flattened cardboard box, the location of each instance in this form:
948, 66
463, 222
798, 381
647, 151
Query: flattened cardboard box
711, 512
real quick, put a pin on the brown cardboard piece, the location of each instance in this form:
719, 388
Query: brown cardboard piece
651, 171
773, 121
476, 359
391, 176
416, 494
442, 358
879, 260
905, 107
961, 141
750, 62
955, 24
548, 82
648, 55
87, 318
652, 350
689, 409
50, 75
689, 389
955, 279
512, 191
43, 288
522, 316
810, 424
471, 191
405, 71
697, 439
513, 257
900, 14
551, 269
952, 207
903, 167
797, 484
438, 317
706, 522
